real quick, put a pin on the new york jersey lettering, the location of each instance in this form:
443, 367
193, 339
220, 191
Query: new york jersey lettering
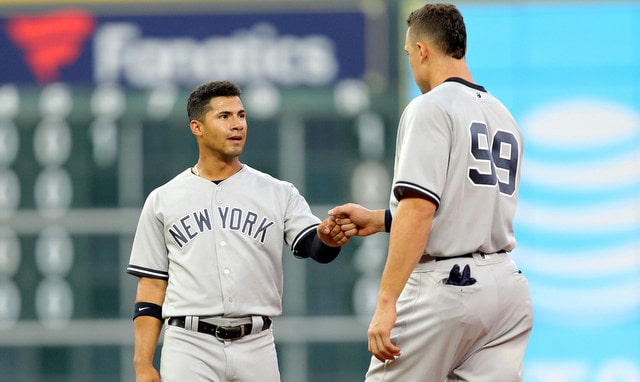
236, 219
189, 226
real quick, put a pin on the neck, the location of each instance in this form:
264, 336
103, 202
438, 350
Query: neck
216, 170
448, 68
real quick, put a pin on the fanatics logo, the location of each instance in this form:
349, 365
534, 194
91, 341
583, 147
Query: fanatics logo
51, 41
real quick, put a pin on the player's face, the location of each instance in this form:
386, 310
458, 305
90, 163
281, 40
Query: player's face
224, 129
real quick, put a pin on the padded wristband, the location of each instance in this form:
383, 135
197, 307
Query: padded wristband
147, 309
387, 220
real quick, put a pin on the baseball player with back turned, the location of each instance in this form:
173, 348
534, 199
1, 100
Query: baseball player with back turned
452, 304
208, 253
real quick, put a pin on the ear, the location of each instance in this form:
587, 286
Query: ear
196, 127
423, 48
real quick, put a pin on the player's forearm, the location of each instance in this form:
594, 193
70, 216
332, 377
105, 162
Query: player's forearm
407, 241
147, 328
381, 220
146, 331
357, 220
372, 221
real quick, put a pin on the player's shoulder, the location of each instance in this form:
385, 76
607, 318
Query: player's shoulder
453, 95
455, 89
179, 179
429, 105
258, 174
177, 182
262, 177
437, 98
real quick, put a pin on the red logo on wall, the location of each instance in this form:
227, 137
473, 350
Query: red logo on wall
51, 41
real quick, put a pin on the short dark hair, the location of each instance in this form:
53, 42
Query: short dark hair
198, 103
444, 24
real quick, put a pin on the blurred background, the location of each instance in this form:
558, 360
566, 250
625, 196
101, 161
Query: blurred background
92, 118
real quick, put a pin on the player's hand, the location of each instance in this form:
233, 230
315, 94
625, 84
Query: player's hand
379, 333
356, 220
147, 374
331, 233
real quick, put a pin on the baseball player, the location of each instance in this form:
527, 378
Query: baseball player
452, 304
208, 252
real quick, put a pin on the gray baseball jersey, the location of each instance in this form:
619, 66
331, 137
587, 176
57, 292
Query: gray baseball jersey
461, 147
220, 245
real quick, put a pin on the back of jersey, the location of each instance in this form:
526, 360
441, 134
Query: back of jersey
461, 147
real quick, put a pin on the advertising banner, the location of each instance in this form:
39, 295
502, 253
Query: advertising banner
288, 49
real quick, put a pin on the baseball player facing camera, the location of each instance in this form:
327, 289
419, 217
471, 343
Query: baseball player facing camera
452, 304
208, 254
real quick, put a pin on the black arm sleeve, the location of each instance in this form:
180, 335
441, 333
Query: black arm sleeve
311, 246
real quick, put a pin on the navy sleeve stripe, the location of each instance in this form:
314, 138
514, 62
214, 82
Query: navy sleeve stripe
399, 187
302, 234
147, 272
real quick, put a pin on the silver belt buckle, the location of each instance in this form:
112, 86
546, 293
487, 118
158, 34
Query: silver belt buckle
220, 330
217, 333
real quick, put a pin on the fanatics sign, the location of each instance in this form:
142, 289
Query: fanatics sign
290, 49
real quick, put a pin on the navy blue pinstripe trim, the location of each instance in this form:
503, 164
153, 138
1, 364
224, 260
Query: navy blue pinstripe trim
302, 234
399, 187
139, 271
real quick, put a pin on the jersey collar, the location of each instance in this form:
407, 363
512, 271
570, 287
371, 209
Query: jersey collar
467, 83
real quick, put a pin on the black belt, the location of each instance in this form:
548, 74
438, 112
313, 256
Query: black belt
221, 332
466, 255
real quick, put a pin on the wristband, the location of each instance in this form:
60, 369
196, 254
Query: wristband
387, 220
147, 309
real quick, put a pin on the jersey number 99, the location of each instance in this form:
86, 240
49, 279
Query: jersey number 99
499, 152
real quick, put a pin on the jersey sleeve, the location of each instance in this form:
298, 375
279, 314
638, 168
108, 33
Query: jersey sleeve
149, 253
299, 221
310, 246
424, 141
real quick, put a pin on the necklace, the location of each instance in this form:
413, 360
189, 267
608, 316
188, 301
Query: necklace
195, 170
